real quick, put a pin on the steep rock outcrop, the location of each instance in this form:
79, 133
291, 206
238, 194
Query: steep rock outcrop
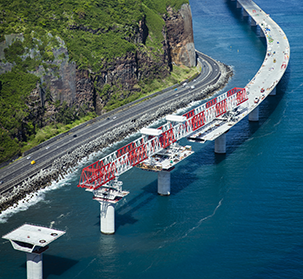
84, 89
124, 73
180, 37
63, 83
118, 78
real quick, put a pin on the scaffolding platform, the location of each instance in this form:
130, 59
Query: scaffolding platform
110, 195
167, 158
111, 192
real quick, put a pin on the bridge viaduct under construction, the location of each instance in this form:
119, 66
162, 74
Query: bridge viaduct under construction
157, 149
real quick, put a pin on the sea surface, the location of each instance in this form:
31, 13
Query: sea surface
238, 215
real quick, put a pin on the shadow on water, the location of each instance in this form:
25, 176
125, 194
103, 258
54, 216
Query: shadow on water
269, 105
237, 13
266, 109
124, 214
237, 136
205, 156
232, 6
126, 218
54, 265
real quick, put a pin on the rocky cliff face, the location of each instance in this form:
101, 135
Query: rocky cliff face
179, 32
124, 73
62, 82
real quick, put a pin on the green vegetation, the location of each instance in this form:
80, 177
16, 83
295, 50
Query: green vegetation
93, 31
52, 130
155, 24
178, 75
160, 5
110, 23
14, 87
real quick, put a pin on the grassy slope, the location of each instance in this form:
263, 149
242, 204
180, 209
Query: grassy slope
41, 21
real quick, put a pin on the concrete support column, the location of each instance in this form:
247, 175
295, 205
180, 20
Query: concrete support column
254, 115
273, 92
244, 13
261, 34
34, 266
220, 144
252, 22
164, 183
107, 217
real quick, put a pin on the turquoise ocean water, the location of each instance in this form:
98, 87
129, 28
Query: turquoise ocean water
238, 215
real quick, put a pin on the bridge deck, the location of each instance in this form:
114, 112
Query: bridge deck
265, 80
208, 121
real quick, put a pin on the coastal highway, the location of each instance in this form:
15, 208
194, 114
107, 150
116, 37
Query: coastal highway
21, 169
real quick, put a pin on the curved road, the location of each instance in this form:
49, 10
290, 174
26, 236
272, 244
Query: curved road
264, 82
21, 169
276, 59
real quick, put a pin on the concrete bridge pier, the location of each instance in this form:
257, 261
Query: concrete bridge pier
244, 13
254, 115
164, 183
107, 217
252, 22
261, 34
34, 241
220, 144
273, 92
34, 266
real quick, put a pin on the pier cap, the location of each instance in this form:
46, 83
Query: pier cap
150, 132
175, 118
31, 238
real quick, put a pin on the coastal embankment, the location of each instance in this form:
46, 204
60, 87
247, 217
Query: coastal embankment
66, 164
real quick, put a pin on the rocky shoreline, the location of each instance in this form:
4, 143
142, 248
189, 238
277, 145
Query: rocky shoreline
65, 164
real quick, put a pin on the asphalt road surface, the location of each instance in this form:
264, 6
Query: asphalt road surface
21, 169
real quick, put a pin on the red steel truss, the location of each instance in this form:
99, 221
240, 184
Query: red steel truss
128, 156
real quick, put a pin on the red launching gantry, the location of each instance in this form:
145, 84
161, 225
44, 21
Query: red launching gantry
130, 155
156, 150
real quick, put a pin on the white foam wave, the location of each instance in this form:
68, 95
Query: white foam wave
32, 199
195, 227
85, 267
202, 220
